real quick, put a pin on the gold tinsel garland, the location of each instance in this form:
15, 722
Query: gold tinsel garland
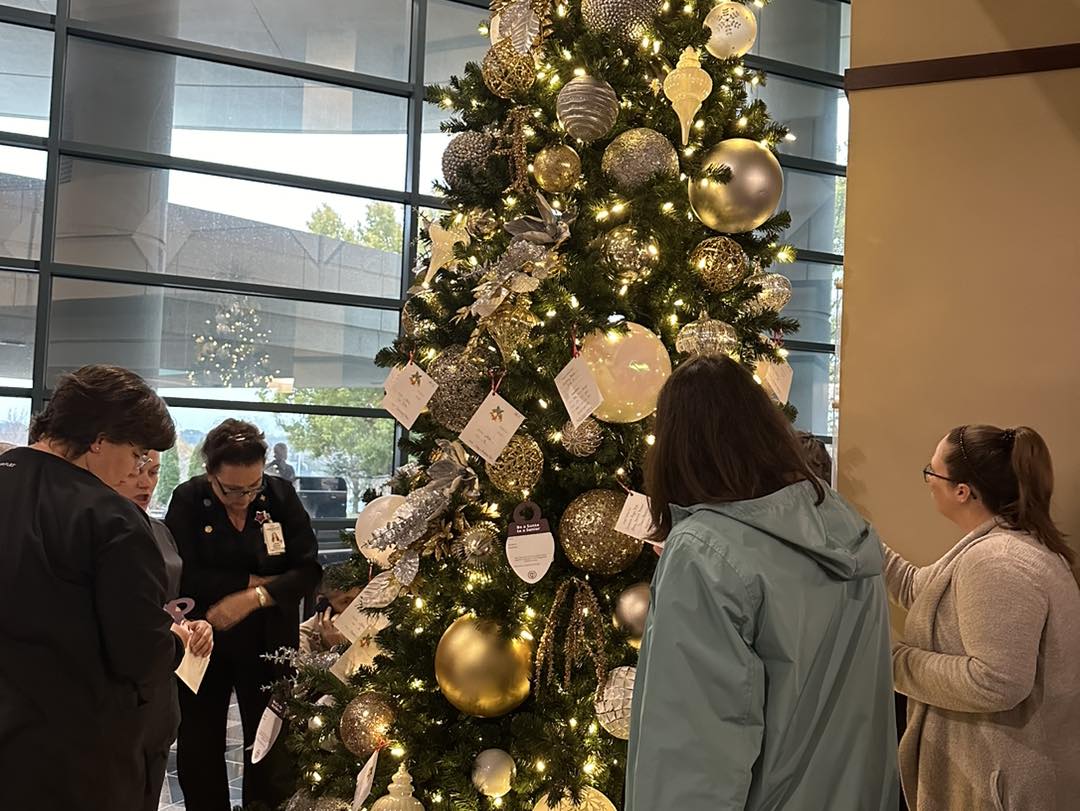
585, 634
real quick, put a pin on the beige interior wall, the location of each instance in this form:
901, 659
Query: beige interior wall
962, 283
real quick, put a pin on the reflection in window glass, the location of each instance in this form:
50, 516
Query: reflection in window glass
453, 39
25, 71
335, 459
815, 300
220, 228
810, 33
814, 388
18, 310
14, 419
221, 346
44, 6
816, 203
190, 108
817, 116
364, 36
22, 185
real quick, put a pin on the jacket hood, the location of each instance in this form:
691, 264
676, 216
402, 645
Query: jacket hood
836, 537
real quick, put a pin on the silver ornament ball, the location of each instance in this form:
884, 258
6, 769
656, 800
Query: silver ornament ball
466, 154
632, 256
628, 20
732, 28
493, 772
749, 198
707, 336
631, 609
775, 293
637, 156
585, 439
612, 702
587, 108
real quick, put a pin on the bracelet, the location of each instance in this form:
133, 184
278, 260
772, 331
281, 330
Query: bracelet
264, 598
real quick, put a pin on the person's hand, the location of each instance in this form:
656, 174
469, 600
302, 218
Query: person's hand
182, 632
202, 637
234, 608
329, 635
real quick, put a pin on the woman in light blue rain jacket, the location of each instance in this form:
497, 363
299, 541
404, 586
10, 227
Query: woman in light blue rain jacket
764, 679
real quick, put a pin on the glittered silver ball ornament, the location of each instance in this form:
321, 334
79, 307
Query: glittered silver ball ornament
749, 198
365, 723
584, 440
587, 108
733, 29
720, 263
775, 292
493, 772
612, 703
707, 336
588, 535
631, 255
631, 609
462, 388
628, 20
466, 155
637, 157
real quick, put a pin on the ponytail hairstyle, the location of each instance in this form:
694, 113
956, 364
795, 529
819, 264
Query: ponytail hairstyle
1011, 472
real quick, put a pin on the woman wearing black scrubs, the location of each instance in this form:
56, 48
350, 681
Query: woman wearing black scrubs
249, 556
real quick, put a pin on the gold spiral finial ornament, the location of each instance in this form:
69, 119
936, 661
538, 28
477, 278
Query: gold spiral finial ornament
686, 88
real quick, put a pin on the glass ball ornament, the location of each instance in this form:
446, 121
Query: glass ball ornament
506, 72
588, 535
480, 672
592, 800
627, 20
612, 702
557, 168
587, 108
463, 386
732, 30
584, 439
720, 263
749, 198
631, 610
493, 772
466, 156
638, 156
481, 223
708, 336
518, 467
633, 256
630, 368
365, 723
775, 293
373, 517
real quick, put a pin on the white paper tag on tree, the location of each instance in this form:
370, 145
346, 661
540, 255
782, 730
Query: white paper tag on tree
364, 781
492, 427
635, 519
268, 731
776, 379
391, 377
530, 546
578, 389
352, 621
191, 670
407, 393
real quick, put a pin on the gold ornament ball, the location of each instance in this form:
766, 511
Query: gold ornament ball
365, 723
627, 20
612, 702
518, 467
583, 440
630, 368
749, 198
592, 800
631, 609
557, 168
775, 292
478, 671
587, 108
510, 325
481, 223
637, 157
720, 263
588, 535
733, 29
708, 336
414, 326
506, 72
462, 388
631, 255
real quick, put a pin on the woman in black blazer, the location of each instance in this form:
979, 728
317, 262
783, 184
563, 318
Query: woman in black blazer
249, 556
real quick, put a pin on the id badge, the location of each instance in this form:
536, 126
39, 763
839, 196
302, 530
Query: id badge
274, 538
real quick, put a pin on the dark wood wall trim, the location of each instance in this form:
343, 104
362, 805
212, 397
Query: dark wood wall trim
955, 68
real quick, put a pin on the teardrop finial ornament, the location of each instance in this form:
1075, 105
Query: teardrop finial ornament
686, 88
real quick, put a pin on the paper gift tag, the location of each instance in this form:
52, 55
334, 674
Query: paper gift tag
635, 519
352, 621
364, 781
578, 389
407, 393
191, 670
491, 427
775, 378
268, 731
530, 546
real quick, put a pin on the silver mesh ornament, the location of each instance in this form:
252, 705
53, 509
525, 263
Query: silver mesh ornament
612, 703
707, 336
585, 439
720, 263
632, 256
467, 153
462, 388
587, 108
637, 156
629, 20
775, 293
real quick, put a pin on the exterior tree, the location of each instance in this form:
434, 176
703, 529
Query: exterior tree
380, 230
169, 477
328, 223
196, 467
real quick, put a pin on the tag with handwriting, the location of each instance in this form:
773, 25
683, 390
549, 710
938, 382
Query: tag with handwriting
407, 393
776, 379
191, 670
353, 620
491, 427
578, 390
530, 546
364, 781
635, 519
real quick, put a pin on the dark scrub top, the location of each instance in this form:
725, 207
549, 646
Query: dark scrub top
83, 637
218, 559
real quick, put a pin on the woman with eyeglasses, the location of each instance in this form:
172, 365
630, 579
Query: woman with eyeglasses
249, 556
990, 660
84, 639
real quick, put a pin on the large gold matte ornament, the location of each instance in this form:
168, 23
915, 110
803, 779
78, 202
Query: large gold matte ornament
630, 368
627, 20
629, 254
749, 198
510, 325
463, 386
588, 535
708, 336
631, 610
583, 440
775, 293
506, 72
365, 723
720, 263
466, 157
686, 88
587, 108
637, 157
733, 29
557, 168
478, 671
592, 800
518, 467
612, 703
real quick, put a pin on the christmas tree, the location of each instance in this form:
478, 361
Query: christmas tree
612, 190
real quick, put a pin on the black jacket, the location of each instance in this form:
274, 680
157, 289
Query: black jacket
218, 560
83, 637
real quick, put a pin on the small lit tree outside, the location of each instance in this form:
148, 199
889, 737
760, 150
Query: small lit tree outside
230, 352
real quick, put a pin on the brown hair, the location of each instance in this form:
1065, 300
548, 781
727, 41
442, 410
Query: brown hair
233, 442
719, 438
1010, 470
817, 456
106, 401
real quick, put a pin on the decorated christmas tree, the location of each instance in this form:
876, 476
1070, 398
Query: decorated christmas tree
612, 189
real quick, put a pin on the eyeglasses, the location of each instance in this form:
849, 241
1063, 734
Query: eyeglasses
928, 474
142, 459
238, 492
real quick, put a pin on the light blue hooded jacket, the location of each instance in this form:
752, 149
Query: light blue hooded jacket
765, 675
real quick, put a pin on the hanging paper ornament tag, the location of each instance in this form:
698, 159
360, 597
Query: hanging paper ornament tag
776, 379
268, 731
364, 781
491, 428
530, 546
578, 389
353, 621
635, 519
408, 393
391, 377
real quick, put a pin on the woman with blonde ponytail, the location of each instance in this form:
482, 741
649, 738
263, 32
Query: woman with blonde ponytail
990, 660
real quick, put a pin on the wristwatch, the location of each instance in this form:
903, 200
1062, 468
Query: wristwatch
264, 598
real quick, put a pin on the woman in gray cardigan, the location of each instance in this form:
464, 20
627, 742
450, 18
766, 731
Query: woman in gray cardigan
990, 660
